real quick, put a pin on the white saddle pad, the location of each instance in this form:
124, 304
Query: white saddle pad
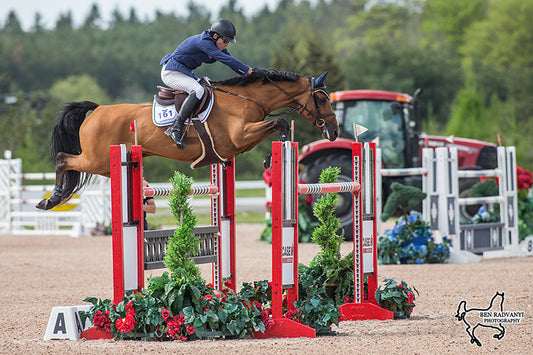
166, 115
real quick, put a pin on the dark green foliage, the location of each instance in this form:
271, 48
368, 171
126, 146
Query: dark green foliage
327, 267
319, 313
183, 243
402, 198
396, 297
325, 234
313, 280
484, 188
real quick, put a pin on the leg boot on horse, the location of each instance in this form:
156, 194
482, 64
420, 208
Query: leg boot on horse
176, 131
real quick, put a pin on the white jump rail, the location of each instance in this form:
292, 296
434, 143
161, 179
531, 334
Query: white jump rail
440, 175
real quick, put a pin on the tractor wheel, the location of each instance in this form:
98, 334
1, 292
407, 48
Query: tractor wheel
344, 208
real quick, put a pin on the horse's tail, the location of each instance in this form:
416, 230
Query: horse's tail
461, 311
66, 139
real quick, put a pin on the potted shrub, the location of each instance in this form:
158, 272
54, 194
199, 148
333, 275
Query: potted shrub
397, 298
328, 274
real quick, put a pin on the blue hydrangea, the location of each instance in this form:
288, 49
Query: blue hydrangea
411, 241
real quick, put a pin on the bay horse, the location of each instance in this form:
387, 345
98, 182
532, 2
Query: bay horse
237, 123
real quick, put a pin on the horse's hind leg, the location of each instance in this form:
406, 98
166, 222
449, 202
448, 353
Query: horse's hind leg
68, 168
57, 193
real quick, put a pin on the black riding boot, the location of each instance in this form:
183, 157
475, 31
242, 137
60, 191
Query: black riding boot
175, 131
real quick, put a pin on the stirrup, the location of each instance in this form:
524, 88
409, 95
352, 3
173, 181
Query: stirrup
181, 142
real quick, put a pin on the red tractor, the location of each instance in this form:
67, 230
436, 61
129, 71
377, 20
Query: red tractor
392, 120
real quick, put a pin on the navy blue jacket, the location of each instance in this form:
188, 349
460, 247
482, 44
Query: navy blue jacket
199, 49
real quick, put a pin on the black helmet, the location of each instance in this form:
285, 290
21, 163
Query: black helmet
224, 28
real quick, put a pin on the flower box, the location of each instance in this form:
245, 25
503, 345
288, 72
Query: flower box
481, 237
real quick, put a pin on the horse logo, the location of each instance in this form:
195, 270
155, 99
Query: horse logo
475, 317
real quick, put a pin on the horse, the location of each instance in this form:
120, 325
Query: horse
463, 315
237, 123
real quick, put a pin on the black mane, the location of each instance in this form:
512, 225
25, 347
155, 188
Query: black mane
260, 74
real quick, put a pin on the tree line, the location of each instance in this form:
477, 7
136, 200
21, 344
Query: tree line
473, 59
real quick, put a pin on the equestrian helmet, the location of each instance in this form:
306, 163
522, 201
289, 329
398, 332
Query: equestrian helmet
225, 28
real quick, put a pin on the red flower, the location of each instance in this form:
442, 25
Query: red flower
269, 323
267, 177
207, 297
347, 299
190, 329
265, 316
165, 313
524, 178
182, 338
129, 304
410, 297
308, 200
180, 320
126, 324
102, 321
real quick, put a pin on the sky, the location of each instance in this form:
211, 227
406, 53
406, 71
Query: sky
50, 9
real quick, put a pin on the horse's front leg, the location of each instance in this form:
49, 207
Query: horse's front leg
256, 132
284, 128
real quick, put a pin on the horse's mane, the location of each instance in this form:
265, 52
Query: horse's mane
260, 74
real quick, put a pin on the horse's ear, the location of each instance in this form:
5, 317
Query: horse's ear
320, 80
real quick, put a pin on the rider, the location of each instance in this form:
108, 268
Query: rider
207, 47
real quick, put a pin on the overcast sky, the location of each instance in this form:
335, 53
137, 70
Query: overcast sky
50, 9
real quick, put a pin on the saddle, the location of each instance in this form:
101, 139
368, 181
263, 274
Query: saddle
167, 97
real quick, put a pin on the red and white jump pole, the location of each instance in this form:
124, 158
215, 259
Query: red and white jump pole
127, 219
285, 191
365, 237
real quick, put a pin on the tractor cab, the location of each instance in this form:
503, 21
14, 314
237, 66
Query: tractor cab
388, 118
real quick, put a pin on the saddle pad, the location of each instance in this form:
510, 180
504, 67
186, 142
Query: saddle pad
166, 115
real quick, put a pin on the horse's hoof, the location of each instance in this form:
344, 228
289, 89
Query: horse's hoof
267, 162
283, 137
44, 204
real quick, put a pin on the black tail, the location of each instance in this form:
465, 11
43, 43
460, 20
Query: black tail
66, 139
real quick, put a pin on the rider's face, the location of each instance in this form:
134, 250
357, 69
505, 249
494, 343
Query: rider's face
222, 43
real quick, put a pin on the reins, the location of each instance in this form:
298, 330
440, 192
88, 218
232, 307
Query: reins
242, 97
319, 118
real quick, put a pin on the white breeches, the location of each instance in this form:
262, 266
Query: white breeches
179, 81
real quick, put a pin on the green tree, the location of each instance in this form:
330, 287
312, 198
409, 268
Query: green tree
78, 88
447, 21
64, 22
38, 25
94, 18
12, 24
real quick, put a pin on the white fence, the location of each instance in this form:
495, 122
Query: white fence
18, 197
19, 193
440, 176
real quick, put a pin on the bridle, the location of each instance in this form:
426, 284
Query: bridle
319, 122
